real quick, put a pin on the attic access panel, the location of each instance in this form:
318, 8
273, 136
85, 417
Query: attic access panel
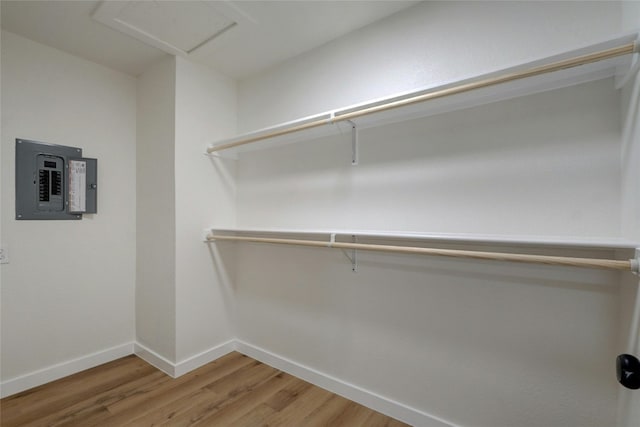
178, 28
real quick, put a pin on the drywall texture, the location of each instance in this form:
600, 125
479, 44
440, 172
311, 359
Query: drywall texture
205, 107
631, 228
69, 288
423, 46
629, 401
475, 343
156, 228
630, 158
478, 344
183, 303
630, 14
631, 137
524, 166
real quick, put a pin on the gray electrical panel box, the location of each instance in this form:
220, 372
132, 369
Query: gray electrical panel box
54, 181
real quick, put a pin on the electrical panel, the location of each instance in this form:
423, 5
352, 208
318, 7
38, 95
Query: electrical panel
54, 182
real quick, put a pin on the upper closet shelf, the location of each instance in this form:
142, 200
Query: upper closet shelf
611, 58
452, 238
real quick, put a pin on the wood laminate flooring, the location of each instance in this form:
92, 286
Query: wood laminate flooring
234, 390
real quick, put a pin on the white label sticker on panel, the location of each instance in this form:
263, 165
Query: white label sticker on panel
77, 186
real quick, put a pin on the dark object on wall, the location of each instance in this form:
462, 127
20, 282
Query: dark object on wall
628, 369
54, 182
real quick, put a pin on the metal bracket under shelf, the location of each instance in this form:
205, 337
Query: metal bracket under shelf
353, 258
354, 140
635, 263
354, 143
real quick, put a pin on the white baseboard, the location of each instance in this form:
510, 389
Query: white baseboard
203, 358
52, 373
367, 398
154, 359
176, 370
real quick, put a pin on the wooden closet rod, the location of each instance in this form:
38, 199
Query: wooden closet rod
607, 264
625, 49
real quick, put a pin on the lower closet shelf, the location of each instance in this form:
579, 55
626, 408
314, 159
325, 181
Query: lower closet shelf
331, 241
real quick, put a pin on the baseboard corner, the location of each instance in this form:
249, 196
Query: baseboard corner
155, 359
178, 369
201, 359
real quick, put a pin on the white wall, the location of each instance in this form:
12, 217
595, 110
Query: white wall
630, 14
205, 108
631, 138
434, 333
629, 399
476, 344
1, 190
184, 305
426, 45
156, 216
69, 289
480, 344
552, 157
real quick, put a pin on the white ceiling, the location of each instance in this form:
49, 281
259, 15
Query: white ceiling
239, 38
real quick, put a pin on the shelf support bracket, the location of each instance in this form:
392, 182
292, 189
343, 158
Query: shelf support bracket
332, 240
353, 258
354, 143
635, 263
